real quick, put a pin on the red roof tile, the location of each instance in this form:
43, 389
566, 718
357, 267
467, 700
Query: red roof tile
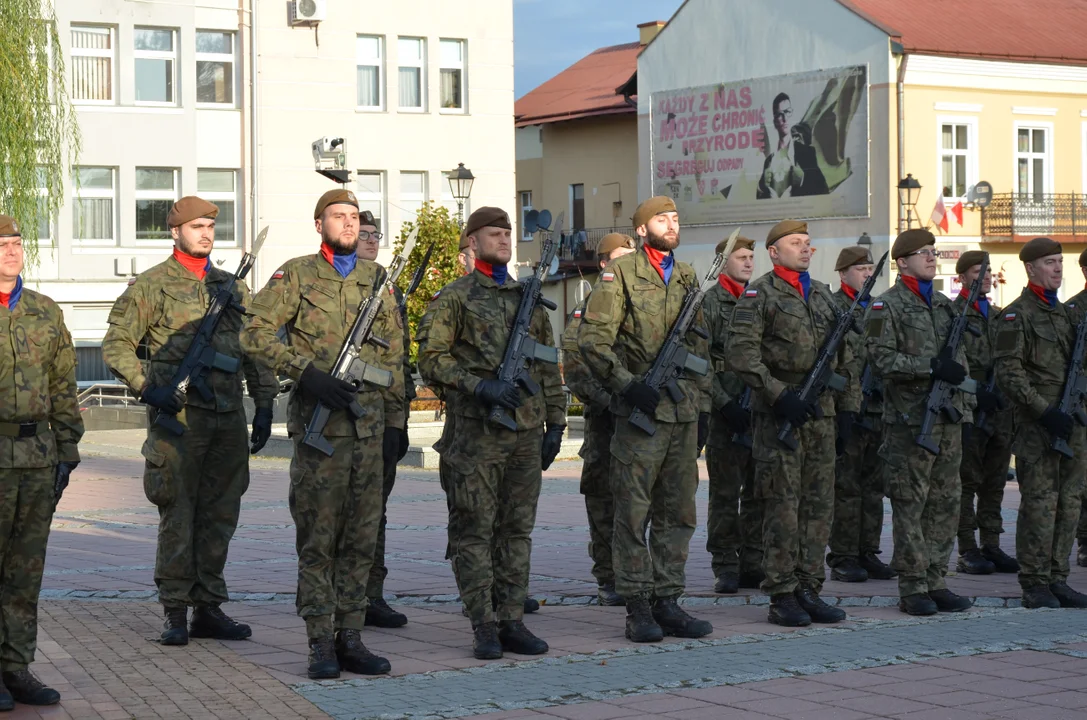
1048, 31
585, 89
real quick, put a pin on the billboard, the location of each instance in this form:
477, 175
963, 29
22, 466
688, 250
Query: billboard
788, 146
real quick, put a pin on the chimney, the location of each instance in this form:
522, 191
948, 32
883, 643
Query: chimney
648, 31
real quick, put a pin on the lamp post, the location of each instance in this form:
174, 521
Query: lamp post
864, 240
909, 190
460, 184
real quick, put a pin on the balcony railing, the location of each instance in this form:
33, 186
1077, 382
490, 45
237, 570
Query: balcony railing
581, 245
1013, 214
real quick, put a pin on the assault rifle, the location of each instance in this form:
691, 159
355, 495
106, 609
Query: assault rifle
416, 278
870, 386
739, 438
349, 367
1075, 389
201, 357
521, 348
821, 377
941, 392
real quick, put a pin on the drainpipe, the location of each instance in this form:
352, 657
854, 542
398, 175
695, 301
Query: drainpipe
254, 205
896, 48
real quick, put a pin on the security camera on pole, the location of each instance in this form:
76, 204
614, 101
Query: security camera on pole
330, 159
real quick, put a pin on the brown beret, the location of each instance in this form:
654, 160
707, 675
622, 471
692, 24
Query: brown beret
463, 241
190, 208
786, 227
612, 242
334, 197
1083, 259
487, 216
911, 241
367, 218
8, 227
1039, 247
853, 255
742, 243
969, 259
652, 207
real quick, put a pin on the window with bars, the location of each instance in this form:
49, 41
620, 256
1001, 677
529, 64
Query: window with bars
155, 53
369, 66
93, 207
411, 56
214, 67
452, 75
92, 64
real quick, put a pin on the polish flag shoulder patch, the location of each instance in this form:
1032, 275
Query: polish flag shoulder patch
132, 281
752, 292
278, 274
577, 313
607, 277
435, 295
1009, 316
877, 305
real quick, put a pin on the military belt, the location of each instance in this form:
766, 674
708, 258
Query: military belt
24, 429
788, 377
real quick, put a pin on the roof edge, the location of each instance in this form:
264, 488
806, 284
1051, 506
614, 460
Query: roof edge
524, 121
869, 19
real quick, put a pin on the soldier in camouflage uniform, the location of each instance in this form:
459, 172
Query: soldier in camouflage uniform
336, 501
734, 517
196, 479
378, 612
906, 335
494, 474
654, 478
1034, 339
599, 426
858, 472
986, 451
40, 428
1079, 300
778, 328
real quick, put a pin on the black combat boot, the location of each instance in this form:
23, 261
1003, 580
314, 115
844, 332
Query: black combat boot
947, 601
354, 657
876, 568
209, 621
29, 690
972, 562
531, 605
1002, 561
816, 607
918, 604
728, 583
323, 664
674, 620
606, 595
175, 630
1081, 552
516, 638
485, 644
1039, 596
7, 702
641, 627
1066, 596
379, 614
847, 569
751, 579
786, 611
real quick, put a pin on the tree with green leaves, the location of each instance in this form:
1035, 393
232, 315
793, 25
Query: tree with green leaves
39, 136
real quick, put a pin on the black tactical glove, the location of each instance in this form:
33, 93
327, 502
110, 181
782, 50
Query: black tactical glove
262, 430
331, 392
967, 433
390, 445
552, 442
162, 397
736, 416
790, 407
497, 392
641, 396
945, 368
1059, 424
988, 401
60, 480
703, 431
845, 422
403, 445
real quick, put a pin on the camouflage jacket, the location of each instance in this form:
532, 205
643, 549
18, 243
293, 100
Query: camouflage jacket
860, 353
980, 348
37, 383
409, 380
318, 308
163, 307
903, 334
727, 386
776, 338
462, 341
627, 319
579, 378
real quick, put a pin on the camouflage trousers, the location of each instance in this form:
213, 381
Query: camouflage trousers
654, 479
493, 485
336, 505
596, 487
984, 472
26, 510
858, 496
1051, 490
925, 491
796, 488
197, 481
375, 586
734, 517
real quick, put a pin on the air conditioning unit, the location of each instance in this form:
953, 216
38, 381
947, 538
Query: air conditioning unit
307, 12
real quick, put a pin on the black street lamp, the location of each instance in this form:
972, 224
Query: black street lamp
864, 240
460, 184
909, 190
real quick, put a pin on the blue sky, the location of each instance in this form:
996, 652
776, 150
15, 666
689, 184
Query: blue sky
551, 35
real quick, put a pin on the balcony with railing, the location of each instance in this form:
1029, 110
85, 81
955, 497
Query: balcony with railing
579, 246
1012, 217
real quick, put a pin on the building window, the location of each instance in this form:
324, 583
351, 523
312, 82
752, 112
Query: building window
93, 217
1033, 153
577, 206
411, 54
46, 220
155, 53
156, 192
452, 91
412, 195
958, 154
526, 206
214, 67
221, 187
92, 64
369, 69
370, 191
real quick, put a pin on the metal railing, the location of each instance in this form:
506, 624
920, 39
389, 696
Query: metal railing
582, 244
1011, 214
101, 394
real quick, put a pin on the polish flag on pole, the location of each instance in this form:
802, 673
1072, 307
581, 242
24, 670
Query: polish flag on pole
956, 210
939, 214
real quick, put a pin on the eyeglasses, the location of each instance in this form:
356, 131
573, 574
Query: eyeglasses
925, 253
366, 235
783, 113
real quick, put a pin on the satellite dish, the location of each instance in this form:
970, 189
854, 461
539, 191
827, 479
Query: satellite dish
983, 194
582, 291
543, 219
531, 222
554, 265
